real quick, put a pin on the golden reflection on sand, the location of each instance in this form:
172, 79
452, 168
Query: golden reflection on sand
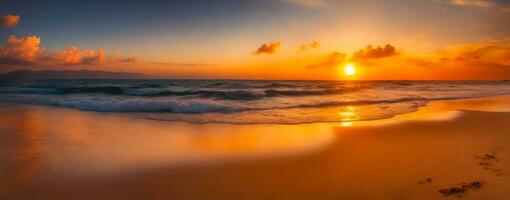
88, 142
22, 147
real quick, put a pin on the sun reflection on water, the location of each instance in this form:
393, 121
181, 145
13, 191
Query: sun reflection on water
345, 124
349, 114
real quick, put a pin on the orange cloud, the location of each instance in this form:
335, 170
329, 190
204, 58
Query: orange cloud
374, 53
312, 45
9, 20
27, 51
117, 58
268, 48
484, 60
21, 50
74, 56
332, 60
489, 53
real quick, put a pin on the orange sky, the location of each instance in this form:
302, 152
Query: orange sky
275, 39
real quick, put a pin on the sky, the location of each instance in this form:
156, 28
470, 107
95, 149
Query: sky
261, 39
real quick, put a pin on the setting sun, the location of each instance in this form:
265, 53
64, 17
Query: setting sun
349, 70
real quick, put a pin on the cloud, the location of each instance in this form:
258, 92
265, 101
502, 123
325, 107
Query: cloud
268, 48
19, 51
497, 53
484, 60
129, 59
117, 58
332, 60
421, 62
501, 5
9, 20
27, 51
374, 53
312, 45
74, 56
307, 3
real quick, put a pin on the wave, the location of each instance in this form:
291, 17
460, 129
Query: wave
99, 89
238, 94
69, 90
140, 104
235, 96
155, 91
27, 90
124, 105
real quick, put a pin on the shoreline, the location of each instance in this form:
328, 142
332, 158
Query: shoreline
495, 98
62, 153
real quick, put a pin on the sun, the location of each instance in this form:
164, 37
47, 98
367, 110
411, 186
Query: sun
349, 70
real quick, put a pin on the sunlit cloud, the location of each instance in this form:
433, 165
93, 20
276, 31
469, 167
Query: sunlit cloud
75, 56
330, 61
129, 59
480, 54
370, 52
312, 45
483, 60
268, 48
20, 51
28, 51
422, 62
9, 20
117, 58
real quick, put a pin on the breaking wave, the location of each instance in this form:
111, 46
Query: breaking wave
150, 92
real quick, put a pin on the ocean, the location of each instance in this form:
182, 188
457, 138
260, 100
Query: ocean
246, 102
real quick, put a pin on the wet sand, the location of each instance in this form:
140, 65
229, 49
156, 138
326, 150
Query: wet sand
448, 149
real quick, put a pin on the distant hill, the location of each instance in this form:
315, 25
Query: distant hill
71, 74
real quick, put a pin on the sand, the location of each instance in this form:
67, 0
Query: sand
448, 149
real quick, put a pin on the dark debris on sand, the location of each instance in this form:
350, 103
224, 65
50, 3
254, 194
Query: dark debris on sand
460, 190
426, 181
487, 162
489, 157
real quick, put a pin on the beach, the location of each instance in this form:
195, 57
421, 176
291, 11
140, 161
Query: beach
447, 149
255, 100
